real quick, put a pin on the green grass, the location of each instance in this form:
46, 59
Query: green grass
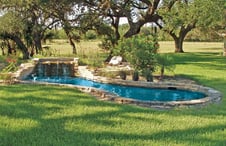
168, 46
63, 47
51, 115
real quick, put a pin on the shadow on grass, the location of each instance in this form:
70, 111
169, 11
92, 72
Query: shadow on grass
65, 116
210, 61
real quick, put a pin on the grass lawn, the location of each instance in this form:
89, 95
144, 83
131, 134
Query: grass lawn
58, 116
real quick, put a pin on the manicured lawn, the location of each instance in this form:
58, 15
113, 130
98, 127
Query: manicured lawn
51, 115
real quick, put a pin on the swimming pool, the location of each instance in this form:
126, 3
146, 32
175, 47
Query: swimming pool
136, 93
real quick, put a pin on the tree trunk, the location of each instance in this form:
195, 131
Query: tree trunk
178, 40
38, 42
3, 51
115, 24
162, 72
20, 45
74, 51
178, 45
224, 49
133, 30
10, 50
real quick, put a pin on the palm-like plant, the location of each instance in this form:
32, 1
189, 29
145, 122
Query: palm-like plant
164, 61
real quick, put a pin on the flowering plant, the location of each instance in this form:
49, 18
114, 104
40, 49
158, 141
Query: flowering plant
11, 65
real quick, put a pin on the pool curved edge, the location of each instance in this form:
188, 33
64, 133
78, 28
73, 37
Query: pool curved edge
212, 95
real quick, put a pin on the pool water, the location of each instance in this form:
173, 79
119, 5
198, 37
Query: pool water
137, 93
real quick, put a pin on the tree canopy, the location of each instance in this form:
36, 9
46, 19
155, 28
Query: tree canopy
182, 16
26, 22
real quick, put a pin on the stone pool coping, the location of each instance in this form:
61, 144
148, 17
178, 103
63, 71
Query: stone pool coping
212, 95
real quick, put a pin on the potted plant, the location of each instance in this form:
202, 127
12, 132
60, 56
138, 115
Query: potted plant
135, 75
147, 73
122, 75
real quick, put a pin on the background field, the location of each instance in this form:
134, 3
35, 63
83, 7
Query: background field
63, 48
168, 46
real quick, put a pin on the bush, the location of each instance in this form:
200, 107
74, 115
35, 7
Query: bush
140, 51
148, 75
164, 61
91, 35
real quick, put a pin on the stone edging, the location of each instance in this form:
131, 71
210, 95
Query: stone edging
212, 95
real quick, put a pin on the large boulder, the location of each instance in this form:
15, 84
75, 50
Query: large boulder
115, 60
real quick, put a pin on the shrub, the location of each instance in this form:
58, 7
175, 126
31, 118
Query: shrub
148, 75
91, 35
140, 51
164, 61
11, 65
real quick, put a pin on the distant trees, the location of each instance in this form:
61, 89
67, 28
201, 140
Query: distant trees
26, 22
181, 16
11, 28
176, 17
36, 17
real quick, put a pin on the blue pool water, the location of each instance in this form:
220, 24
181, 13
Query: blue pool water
137, 93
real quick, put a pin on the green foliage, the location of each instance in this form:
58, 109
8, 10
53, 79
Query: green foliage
51, 115
11, 65
140, 51
90, 35
59, 34
109, 38
91, 57
11, 23
165, 62
123, 28
207, 12
183, 14
106, 43
48, 51
148, 30
147, 73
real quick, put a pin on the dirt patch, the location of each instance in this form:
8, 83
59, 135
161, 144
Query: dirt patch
114, 73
